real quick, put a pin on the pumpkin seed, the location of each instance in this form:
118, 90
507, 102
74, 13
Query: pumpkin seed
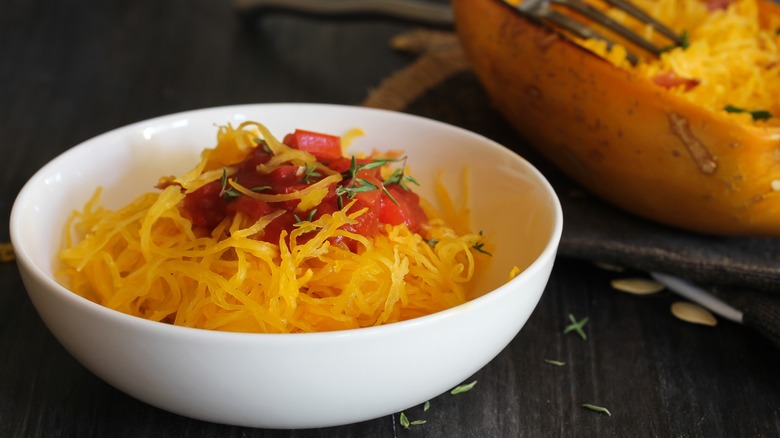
693, 313
609, 267
637, 286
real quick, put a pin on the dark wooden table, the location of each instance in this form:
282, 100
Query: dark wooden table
72, 70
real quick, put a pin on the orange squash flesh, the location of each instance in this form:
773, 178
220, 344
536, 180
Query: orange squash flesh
624, 138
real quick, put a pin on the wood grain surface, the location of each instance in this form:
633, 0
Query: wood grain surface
72, 70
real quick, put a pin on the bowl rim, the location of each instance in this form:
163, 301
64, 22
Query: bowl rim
24, 260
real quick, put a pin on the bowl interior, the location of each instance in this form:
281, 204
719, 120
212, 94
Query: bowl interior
370, 372
510, 201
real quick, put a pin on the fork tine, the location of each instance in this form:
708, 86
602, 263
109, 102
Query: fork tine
542, 10
579, 29
606, 21
644, 17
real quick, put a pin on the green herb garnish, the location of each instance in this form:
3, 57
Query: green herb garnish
479, 246
355, 185
406, 424
310, 172
685, 42
426, 406
463, 388
576, 326
399, 176
555, 362
225, 191
685, 39
603, 410
756, 114
262, 143
310, 218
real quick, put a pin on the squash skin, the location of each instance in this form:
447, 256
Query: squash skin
627, 140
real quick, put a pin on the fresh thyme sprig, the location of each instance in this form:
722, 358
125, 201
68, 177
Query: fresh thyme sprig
357, 185
310, 218
755, 114
685, 42
577, 326
479, 246
310, 172
226, 191
406, 424
229, 193
463, 388
601, 409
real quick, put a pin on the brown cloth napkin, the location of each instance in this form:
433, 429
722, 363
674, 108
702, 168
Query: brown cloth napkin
743, 272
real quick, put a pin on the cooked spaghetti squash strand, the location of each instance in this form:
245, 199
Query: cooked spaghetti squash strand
732, 59
148, 259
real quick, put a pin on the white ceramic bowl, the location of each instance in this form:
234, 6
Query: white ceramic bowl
294, 380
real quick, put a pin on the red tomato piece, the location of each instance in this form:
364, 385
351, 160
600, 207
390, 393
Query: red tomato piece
324, 147
252, 208
284, 176
407, 210
671, 80
368, 223
205, 207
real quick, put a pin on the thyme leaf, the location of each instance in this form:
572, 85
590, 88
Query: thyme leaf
262, 143
555, 362
685, 39
685, 42
463, 388
226, 191
310, 172
384, 189
577, 326
601, 409
352, 189
309, 218
479, 246
404, 421
756, 114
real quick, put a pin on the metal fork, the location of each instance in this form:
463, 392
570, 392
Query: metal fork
541, 9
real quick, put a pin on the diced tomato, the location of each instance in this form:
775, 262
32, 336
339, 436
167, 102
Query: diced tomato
671, 80
252, 208
324, 147
273, 230
208, 206
714, 5
285, 176
407, 210
205, 207
259, 155
368, 223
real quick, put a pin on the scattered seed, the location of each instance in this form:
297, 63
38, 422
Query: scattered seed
693, 313
637, 286
555, 362
609, 267
7, 252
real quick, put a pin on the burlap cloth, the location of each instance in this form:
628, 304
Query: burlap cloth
744, 272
